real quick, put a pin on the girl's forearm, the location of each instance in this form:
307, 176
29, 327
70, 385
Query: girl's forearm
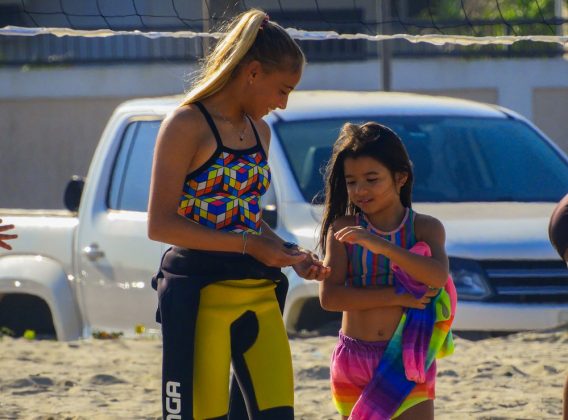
176, 230
426, 270
339, 298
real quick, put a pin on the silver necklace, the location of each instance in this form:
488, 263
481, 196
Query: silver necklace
228, 121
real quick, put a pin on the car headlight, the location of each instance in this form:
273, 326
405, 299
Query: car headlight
470, 279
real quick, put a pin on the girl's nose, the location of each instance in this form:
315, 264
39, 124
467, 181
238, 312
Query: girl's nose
359, 189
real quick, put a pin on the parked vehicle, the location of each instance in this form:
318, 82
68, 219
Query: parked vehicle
488, 174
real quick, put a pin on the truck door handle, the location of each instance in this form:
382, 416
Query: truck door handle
92, 252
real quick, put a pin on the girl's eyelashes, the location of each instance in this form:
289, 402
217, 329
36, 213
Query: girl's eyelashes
370, 180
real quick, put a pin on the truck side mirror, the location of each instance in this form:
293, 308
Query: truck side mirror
73, 192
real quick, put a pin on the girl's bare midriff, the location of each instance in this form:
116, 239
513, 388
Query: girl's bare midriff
372, 324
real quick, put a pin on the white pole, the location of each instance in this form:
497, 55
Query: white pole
561, 12
383, 15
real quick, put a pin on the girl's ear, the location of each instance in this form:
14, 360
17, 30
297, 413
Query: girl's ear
251, 70
400, 179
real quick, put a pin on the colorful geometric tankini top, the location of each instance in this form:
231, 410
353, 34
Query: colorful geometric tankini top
224, 193
367, 269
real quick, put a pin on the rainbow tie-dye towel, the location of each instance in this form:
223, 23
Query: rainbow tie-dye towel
406, 373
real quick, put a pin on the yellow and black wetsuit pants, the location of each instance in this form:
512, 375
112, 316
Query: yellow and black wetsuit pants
220, 310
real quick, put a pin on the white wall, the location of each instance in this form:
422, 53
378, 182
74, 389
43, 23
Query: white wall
513, 79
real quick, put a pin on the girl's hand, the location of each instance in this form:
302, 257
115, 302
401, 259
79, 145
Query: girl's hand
409, 301
355, 235
272, 252
311, 268
5, 236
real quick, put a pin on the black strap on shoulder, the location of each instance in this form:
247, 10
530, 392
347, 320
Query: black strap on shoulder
254, 131
258, 143
210, 121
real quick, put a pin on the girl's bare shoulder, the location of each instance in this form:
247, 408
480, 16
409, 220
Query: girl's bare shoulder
262, 127
425, 226
185, 126
263, 130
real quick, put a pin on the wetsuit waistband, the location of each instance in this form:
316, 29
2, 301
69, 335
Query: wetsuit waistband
216, 265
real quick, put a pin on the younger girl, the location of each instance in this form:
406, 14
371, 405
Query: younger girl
367, 234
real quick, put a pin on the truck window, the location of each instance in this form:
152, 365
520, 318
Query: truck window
130, 180
455, 159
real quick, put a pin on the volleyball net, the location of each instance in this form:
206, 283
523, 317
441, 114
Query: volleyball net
181, 26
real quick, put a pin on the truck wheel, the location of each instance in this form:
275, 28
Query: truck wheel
20, 312
313, 317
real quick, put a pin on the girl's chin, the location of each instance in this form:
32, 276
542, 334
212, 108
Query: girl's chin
256, 115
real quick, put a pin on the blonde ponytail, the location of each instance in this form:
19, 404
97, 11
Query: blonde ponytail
250, 36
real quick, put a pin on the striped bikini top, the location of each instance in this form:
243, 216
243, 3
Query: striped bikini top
367, 269
224, 193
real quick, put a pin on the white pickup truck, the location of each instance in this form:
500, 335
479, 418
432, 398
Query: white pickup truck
489, 175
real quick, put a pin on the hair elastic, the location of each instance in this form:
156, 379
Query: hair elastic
264, 22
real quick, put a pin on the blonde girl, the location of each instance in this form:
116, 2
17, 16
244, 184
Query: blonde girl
220, 286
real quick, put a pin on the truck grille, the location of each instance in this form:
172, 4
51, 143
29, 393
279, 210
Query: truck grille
527, 281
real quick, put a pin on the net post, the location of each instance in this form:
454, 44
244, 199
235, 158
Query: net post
384, 15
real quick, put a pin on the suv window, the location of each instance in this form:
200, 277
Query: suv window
130, 180
455, 159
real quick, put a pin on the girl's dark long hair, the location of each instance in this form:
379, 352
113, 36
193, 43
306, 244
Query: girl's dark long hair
372, 140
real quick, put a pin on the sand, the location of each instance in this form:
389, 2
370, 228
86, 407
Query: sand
519, 376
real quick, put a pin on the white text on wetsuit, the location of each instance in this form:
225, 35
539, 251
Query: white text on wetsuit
173, 401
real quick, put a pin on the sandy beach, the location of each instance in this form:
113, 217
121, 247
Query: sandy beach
518, 376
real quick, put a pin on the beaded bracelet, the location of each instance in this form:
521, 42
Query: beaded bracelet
290, 245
